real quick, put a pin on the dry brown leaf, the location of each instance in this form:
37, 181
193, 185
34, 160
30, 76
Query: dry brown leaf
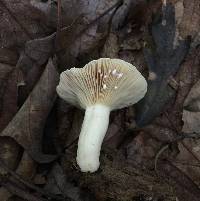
141, 151
26, 169
32, 63
191, 122
186, 77
185, 188
191, 112
160, 133
188, 162
8, 93
8, 56
188, 159
19, 23
111, 47
192, 102
27, 125
9, 153
188, 17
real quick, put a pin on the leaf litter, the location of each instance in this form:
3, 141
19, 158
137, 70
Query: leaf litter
29, 105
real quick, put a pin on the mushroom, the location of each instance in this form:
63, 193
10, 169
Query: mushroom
99, 87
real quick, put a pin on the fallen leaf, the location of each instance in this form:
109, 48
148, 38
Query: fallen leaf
186, 161
187, 76
163, 61
27, 167
191, 112
10, 153
141, 151
32, 62
192, 102
8, 93
189, 21
27, 125
160, 133
8, 56
16, 28
60, 184
185, 188
36, 53
111, 47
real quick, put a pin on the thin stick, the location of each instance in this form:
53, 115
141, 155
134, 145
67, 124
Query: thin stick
31, 186
14, 189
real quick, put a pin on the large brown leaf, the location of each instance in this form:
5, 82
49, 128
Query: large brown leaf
27, 125
20, 22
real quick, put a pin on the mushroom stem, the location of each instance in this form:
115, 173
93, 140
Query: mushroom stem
95, 125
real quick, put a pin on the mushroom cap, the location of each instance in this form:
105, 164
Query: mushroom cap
111, 82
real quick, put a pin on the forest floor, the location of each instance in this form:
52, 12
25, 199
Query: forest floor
151, 151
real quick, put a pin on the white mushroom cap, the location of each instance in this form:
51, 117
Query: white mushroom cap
111, 82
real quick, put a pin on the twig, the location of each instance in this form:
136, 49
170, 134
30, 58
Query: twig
184, 163
163, 149
12, 187
31, 186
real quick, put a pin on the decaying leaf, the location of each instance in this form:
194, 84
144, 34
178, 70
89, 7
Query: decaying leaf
27, 125
185, 188
36, 53
188, 159
191, 112
31, 122
111, 47
188, 18
8, 56
22, 19
8, 93
186, 77
163, 61
58, 183
26, 169
142, 150
9, 153
32, 63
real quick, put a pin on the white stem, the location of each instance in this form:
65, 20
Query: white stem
93, 130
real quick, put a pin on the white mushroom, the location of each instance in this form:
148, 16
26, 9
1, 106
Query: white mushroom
85, 88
